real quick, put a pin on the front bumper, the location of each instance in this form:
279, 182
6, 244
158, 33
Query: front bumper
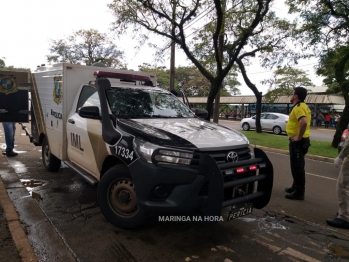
209, 185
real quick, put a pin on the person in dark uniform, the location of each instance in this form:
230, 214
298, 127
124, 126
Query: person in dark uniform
298, 131
10, 131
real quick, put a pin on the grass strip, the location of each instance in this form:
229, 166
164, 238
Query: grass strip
319, 148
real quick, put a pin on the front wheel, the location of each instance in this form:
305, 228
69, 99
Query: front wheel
117, 198
51, 163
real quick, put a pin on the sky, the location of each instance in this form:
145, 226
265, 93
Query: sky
29, 25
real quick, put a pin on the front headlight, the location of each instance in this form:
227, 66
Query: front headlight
146, 149
162, 155
173, 157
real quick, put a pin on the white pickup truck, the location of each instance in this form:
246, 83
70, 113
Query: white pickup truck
148, 152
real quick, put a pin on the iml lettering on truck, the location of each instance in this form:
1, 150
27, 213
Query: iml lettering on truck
75, 141
56, 114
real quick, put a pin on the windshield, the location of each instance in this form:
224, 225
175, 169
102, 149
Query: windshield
137, 103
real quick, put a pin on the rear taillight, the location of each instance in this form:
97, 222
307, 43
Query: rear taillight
345, 134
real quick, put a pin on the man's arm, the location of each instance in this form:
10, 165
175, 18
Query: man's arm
345, 149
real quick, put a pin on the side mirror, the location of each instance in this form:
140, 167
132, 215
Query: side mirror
89, 112
202, 113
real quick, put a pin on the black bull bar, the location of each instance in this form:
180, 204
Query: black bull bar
214, 172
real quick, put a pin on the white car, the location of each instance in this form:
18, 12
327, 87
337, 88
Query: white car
270, 121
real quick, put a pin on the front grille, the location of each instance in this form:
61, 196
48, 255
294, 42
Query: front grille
221, 156
228, 191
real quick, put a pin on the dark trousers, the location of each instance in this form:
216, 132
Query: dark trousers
297, 152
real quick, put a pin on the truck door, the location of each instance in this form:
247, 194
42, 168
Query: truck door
14, 103
85, 135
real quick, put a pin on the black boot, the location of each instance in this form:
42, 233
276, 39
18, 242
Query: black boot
297, 194
290, 189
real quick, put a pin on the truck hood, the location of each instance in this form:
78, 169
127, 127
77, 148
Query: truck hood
200, 133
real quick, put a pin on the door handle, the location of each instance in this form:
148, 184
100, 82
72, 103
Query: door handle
71, 121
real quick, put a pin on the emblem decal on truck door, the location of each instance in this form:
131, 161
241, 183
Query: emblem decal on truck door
76, 141
8, 84
57, 90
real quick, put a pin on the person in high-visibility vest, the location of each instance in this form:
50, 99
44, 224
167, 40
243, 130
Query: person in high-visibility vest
298, 131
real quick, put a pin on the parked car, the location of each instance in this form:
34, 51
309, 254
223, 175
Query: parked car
344, 136
270, 121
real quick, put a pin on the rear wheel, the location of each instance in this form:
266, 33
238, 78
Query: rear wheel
245, 126
277, 130
117, 198
51, 163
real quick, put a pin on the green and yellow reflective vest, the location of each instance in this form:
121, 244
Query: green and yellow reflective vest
298, 111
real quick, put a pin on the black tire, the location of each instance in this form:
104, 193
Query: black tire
51, 163
245, 126
277, 130
117, 198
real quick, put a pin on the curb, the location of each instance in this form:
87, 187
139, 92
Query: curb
19, 237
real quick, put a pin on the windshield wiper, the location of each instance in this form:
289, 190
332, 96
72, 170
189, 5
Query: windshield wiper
161, 116
132, 116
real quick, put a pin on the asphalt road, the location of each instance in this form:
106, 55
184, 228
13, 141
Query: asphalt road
64, 223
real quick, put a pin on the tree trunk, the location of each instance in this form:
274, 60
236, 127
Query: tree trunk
256, 93
211, 97
258, 111
343, 122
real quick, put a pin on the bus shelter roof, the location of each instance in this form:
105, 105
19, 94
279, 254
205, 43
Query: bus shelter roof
310, 99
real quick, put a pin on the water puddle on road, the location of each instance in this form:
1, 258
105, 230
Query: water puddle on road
265, 224
30, 184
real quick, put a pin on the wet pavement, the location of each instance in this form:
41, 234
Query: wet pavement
62, 221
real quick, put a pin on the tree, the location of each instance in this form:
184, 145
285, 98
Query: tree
325, 27
2, 63
284, 80
87, 47
195, 84
233, 33
171, 21
163, 74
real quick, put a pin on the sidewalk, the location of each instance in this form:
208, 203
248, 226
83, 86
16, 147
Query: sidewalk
14, 243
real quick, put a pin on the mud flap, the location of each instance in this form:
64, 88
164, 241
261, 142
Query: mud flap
265, 185
209, 167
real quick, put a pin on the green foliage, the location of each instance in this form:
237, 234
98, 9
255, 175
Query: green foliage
86, 47
326, 68
191, 80
2, 63
163, 74
285, 80
325, 28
